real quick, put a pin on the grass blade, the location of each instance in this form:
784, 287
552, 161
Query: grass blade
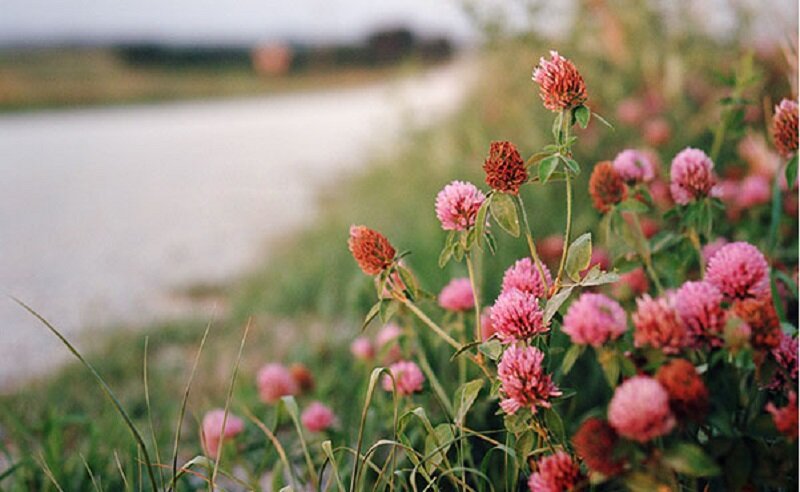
182, 412
228, 402
271, 436
291, 408
104, 386
149, 411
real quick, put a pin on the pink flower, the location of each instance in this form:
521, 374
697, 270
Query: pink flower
634, 166
657, 131
712, 248
594, 319
317, 417
516, 315
407, 375
691, 176
457, 295
657, 324
524, 276
630, 111
785, 418
457, 205
561, 86
274, 381
753, 191
784, 127
387, 342
362, 349
555, 473
631, 284
213, 432
785, 354
524, 383
699, 305
487, 327
739, 270
759, 157
639, 409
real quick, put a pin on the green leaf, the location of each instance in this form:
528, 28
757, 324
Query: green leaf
791, 171
524, 446
599, 277
465, 398
409, 280
572, 165
480, 220
388, 309
547, 167
554, 424
373, 311
558, 122
445, 255
579, 255
633, 205
571, 357
490, 242
691, 460
504, 212
440, 438
609, 361
491, 349
555, 302
582, 115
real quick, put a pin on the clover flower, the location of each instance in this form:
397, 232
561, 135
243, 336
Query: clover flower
594, 319
688, 395
699, 305
761, 317
785, 354
561, 86
639, 410
524, 276
753, 191
555, 473
317, 417
594, 443
606, 186
407, 376
657, 324
516, 315
785, 418
457, 205
371, 250
457, 295
505, 169
212, 431
362, 349
634, 166
275, 381
691, 176
302, 376
524, 383
739, 270
784, 127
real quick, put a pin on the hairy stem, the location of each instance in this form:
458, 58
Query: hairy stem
429, 322
645, 254
531, 244
476, 297
567, 232
694, 238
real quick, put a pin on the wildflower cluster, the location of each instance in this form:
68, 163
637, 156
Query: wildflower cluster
690, 345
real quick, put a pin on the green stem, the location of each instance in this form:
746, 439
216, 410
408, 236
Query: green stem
645, 254
531, 244
433, 326
567, 232
694, 238
476, 297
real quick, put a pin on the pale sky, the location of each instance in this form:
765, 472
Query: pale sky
248, 21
